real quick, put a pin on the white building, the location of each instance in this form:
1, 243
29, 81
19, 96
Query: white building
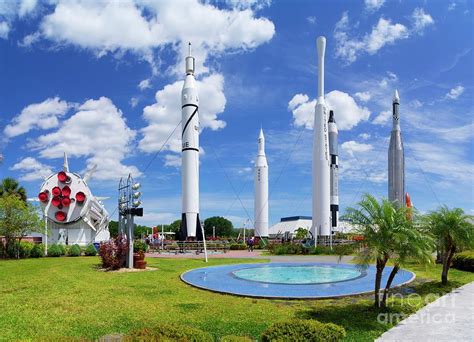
288, 225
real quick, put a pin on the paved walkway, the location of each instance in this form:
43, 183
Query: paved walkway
449, 318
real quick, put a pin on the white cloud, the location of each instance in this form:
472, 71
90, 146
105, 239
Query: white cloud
353, 146
4, 30
26, 7
373, 5
384, 33
363, 96
311, 20
173, 160
134, 102
246, 4
452, 6
455, 92
416, 103
165, 114
144, 84
98, 132
383, 118
364, 136
140, 27
32, 169
42, 115
421, 20
347, 113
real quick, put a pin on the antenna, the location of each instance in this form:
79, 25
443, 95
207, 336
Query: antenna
321, 44
189, 49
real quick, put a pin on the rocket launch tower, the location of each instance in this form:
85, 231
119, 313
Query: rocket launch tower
261, 190
396, 158
73, 214
190, 223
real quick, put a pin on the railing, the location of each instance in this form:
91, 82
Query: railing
190, 246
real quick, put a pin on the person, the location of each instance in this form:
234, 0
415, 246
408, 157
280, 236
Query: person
250, 244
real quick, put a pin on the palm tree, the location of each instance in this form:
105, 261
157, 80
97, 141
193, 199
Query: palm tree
11, 186
453, 231
387, 234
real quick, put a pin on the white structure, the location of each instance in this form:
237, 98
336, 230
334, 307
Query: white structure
396, 157
321, 174
288, 226
261, 190
190, 224
333, 152
72, 213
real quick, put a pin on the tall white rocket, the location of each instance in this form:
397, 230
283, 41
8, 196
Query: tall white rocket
261, 190
396, 157
321, 172
190, 224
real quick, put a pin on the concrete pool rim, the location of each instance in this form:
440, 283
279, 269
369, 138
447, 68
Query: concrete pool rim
302, 297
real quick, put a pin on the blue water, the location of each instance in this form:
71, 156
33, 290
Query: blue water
297, 274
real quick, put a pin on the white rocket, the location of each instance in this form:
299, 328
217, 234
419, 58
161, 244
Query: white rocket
321, 179
261, 190
334, 193
190, 224
396, 158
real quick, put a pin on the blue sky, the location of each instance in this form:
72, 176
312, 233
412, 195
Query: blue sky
102, 81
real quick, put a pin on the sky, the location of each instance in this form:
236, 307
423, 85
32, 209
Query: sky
101, 80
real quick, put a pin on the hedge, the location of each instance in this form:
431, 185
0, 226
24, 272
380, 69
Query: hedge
303, 330
464, 261
74, 251
90, 250
37, 251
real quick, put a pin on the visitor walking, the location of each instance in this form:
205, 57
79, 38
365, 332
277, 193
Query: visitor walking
250, 244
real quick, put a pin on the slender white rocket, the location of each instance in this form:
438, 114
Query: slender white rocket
396, 157
333, 152
261, 190
321, 178
190, 224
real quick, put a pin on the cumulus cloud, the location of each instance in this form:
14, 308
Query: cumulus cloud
144, 84
140, 27
163, 116
26, 7
364, 136
353, 146
43, 115
383, 33
4, 30
383, 118
98, 132
455, 92
32, 169
347, 112
363, 96
373, 5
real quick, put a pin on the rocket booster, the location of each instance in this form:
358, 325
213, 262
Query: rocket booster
190, 224
261, 190
321, 174
334, 170
396, 158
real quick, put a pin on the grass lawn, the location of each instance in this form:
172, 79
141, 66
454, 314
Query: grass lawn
68, 297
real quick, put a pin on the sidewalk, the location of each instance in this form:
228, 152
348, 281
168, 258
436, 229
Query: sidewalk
449, 318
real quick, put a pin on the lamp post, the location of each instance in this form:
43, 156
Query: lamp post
128, 207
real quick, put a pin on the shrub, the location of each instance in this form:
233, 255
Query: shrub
37, 251
55, 251
25, 249
139, 246
74, 251
63, 249
234, 338
303, 330
114, 252
464, 261
238, 246
169, 332
90, 250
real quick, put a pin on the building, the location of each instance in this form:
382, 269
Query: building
288, 225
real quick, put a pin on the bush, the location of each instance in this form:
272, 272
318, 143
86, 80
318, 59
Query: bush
90, 250
55, 251
464, 261
74, 251
63, 249
37, 251
238, 246
169, 332
25, 249
234, 338
114, 252
139, 246
303, 330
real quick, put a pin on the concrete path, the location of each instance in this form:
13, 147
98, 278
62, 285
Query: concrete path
449, 318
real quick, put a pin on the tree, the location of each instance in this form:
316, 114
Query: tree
222, 225
113, 229
387, 234
453, 231
17, 219
301, 233
10, 186
175, 227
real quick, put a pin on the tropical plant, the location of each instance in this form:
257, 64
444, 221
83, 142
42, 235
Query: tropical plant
114, 252
301, 233
10, 186
387, 234
453, 231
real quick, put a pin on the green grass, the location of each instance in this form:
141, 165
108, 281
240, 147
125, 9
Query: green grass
68, 297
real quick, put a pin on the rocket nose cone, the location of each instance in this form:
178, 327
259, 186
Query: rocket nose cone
396, 98
260, 135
